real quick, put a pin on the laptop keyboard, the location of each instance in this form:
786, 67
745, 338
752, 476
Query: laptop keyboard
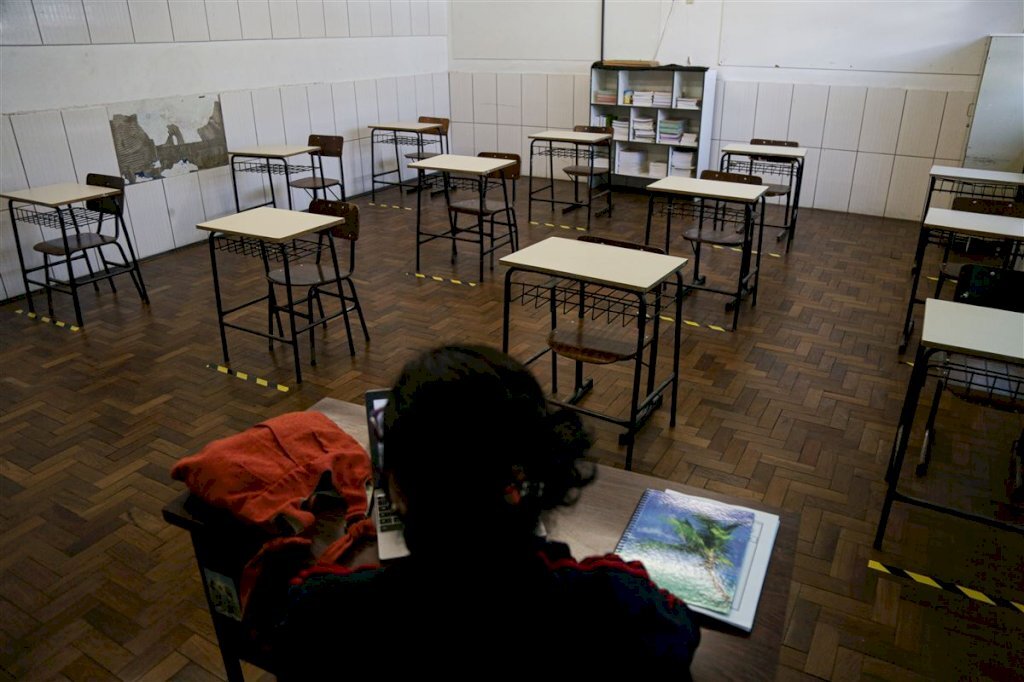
388, 519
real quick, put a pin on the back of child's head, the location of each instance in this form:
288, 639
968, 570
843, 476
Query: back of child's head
473, 448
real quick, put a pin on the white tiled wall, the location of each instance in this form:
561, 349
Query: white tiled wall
81, 22
869, 149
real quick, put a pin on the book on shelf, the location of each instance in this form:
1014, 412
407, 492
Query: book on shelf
605, 97
657, 169
631, 161
681, 164
643, 129
620, 129
670, 131
687, 103
712, 555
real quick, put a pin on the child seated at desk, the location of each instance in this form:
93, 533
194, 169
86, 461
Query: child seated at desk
473, 457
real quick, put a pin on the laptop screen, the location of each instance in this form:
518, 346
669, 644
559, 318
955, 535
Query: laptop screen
376, 401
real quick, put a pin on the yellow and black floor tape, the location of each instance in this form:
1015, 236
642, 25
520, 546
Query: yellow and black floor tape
438, 278
400, 208
946, 586
244, 376
49, 320
578, 228
739, 250
692, 323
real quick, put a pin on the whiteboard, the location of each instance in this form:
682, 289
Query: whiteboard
996, 140
865, 35
526, 29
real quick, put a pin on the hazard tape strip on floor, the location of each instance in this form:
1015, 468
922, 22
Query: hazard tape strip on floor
693, 323
400, 208
49, 320
578, 228
438, 278
245, 376
946, 586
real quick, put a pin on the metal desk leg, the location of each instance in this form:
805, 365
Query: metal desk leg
506, 309
760, 249
270, 181
637, 368
892, 476
67, 262
482, 189
419, 212
291, 312
373, 171
915, 278
675, 348
234, 186
529, 187
217, 297
650, 215
21, 256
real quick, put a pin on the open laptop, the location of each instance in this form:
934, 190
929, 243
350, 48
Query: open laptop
390, 537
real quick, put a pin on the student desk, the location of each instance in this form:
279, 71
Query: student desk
70, 221
601, 281
396, 134
695, 193
271, 234
785, 162
478, 169
949, 222
987, 333
567, 144
591, 526
272, 160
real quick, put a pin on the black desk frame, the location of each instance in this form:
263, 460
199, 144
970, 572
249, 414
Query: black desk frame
591, 151
75, 218
271, 166
790, 168
396, 139
691, 206
611, 303
955, 187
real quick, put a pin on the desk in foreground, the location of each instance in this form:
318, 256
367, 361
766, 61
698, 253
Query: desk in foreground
592, 526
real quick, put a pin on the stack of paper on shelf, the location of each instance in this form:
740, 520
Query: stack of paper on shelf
657, 169
620, 129
631, 161
605, 97
643, 129
687, 103
643, 98
669, 131
662, 99
682, 163
688, 138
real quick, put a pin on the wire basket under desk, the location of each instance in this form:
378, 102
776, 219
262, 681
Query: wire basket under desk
599, 302
722, 211
254, 248
74, 216
271, 167
760, 167
583, 152
406, 139
981, 381
976, 189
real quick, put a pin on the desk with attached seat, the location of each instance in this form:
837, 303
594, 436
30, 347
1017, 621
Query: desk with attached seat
409, 134
272, 160
567, 144
271, 234
592, 526
74, 242
772, 160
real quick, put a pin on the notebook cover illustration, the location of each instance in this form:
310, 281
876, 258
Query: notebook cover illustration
691, 546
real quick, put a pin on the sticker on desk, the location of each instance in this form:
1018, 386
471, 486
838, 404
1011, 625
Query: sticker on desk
223, 595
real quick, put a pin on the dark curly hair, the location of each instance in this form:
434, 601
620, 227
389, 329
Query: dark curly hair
474, 450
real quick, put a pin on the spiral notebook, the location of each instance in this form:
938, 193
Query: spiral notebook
710, 554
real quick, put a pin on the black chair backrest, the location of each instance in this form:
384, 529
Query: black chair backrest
722, 176
110, 205
620, 243
512, 172
442, 123
990, 287
330, 145
1003, 207
339, 209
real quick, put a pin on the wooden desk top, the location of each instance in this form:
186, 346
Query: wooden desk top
60, 194
570, 136
709, 189
765, 150
274, 151
613, 266
973, 330
405, 127
457, 163
976, 224
593, 526
270, 224
977, 175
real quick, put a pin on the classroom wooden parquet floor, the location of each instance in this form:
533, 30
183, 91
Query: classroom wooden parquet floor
796, 409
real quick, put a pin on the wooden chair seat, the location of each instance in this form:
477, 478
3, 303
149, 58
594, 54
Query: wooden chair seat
305, 274
597, 347
720, 237
419, 156
472, 207
77, 242
315, 183
777, 191
585, 170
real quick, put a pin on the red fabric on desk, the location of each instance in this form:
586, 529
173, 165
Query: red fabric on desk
267, 474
